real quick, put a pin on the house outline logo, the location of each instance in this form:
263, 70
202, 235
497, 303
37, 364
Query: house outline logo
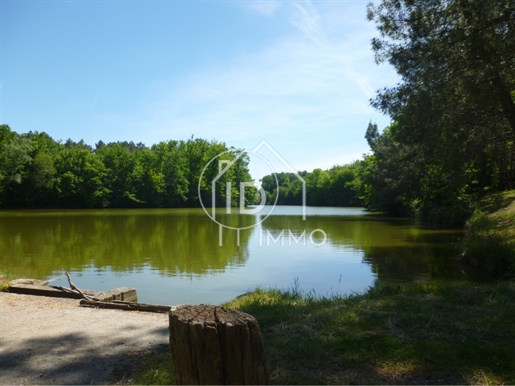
225, 165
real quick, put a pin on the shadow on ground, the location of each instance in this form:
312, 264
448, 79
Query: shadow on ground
74, 358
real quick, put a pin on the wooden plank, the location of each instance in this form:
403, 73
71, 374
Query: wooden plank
127, 306
42, 290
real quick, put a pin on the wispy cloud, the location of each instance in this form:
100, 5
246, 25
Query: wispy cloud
264, 7
308, 93
306, 18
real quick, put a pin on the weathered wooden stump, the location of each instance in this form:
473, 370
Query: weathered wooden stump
216, 345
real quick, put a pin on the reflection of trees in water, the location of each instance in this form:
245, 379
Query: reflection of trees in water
414, 264
171, 241
396, 249
178, 242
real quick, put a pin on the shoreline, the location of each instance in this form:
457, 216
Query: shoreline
459, 334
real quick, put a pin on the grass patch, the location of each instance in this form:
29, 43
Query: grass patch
490, 239
5, 279
145, 368
418, 335
500, 208
421, 334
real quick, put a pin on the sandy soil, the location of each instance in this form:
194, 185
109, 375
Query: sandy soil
54, 341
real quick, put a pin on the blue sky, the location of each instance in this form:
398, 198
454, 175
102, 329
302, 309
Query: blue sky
297, 74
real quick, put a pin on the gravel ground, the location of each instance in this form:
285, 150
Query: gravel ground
54, 341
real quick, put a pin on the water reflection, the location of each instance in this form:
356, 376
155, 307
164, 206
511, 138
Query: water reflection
398, 250
173, 242
174, 255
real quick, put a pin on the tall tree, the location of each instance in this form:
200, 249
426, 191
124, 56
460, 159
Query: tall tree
171, 174
122, 173
455, 104
40, 187
81, 178
15, 168
444, 48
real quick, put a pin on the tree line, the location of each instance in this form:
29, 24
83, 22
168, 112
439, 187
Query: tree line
340, 185
39, 172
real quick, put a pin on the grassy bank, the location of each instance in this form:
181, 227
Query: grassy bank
413, 335
490, 238
416, 335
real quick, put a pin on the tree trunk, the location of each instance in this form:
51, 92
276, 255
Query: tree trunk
216, 345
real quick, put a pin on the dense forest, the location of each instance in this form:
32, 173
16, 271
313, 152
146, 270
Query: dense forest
451, 139
453, 112
39, 172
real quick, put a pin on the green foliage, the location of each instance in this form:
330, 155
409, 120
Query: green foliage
489, 242
453, 110
81, 181
480, 223
38, 172
338, 186
120, 176
5, 279
392, 173
491, 254
145, 368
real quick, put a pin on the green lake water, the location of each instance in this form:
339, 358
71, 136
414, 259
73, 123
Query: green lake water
174, 256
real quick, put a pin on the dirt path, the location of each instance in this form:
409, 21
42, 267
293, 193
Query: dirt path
54, 341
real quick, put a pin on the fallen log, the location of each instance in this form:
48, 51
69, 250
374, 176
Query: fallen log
41, 290
90, 301
127, 306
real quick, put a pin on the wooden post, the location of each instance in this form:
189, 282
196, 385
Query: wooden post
216, 345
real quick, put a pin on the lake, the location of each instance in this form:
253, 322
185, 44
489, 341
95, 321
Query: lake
178, 256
